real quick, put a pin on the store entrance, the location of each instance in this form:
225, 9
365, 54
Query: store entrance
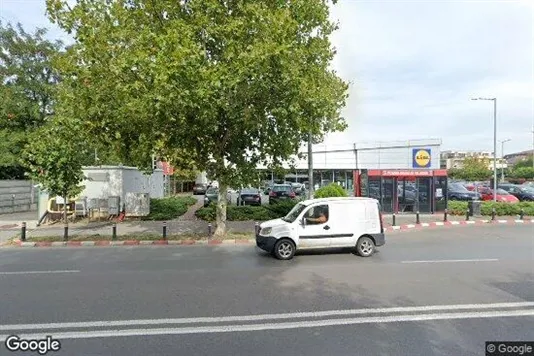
414, 194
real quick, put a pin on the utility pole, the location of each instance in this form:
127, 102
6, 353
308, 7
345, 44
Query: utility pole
533, 146
502, 157
494, 144
310, 166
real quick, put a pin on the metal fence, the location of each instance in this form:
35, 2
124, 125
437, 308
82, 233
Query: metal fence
17, 196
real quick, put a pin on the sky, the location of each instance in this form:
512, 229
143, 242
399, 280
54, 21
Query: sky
413, 67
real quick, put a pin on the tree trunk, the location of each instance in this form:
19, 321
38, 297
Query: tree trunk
65, 202
222, 203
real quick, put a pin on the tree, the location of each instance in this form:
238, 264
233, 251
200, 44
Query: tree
473, 170
27, 83
232, 83
523, 163
522, 173
54, 158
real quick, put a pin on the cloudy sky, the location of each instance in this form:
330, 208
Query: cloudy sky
414, 65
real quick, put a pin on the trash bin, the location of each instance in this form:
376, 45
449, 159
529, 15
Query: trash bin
474, 207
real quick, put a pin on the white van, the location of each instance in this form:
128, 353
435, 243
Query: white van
324, 223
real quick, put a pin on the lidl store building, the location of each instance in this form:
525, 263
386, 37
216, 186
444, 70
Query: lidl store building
404, 176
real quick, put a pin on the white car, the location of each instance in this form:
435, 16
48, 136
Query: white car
325, 223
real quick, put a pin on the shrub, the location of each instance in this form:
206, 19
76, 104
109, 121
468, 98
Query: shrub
246, 213
281, 208
331, 190
501, 209
169, 208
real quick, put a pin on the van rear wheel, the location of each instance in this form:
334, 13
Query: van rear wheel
284, 249
365, 246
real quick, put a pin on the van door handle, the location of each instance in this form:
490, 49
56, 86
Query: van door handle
326, 227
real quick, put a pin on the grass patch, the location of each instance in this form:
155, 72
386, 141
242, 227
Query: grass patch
169, 208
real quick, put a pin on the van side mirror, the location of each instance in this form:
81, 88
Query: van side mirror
303, 221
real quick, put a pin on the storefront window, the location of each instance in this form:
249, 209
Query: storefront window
340, 178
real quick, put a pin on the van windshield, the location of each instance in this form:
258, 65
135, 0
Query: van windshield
294, 213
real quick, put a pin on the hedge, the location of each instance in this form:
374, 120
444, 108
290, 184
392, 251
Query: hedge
501, 209
248, 213
169, 208
330, 190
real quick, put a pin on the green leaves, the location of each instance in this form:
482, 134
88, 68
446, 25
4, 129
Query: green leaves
229, 84
54, 157
27, 91
473, 170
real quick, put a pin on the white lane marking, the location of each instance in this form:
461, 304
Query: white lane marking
425, 224
258, 317
452, 261
455, 223
439, 223
38, 272
276, 326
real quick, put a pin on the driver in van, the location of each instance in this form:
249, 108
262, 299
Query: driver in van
320, 217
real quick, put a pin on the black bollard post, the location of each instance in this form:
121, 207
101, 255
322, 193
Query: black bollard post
164, 230
66, 232
256, 228
445, 217
209, 230
521, 214
394, 222
114, 232
467, 215
493, 212
417, 219
23, 232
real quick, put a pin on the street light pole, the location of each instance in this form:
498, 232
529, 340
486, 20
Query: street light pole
494, 145
502, 156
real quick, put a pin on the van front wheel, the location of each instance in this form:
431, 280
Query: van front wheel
284, 249
365, 246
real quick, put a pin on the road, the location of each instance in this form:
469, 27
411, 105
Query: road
450, 282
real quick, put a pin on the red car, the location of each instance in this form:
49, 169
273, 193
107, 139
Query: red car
502, 195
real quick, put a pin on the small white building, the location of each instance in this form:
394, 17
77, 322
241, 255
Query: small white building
105, 181
133, 188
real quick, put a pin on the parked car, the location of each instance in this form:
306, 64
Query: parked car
200, 188
457, 191
298, 188
249, 196
502, 195
211, 196
523, 193
324, 223
281, 192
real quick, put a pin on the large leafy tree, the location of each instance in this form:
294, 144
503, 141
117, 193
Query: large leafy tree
27, 84
233, 83
473, 169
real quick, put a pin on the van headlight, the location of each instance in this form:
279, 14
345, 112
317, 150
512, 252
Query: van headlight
266, 231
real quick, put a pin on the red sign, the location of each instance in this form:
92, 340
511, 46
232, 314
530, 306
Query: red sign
168, 170
406, 173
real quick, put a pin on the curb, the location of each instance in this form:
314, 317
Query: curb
454, 223
406, 227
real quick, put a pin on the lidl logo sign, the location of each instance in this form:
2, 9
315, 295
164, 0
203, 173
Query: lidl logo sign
421, 157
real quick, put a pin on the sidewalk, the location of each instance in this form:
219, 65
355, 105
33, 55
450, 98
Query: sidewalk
193, 227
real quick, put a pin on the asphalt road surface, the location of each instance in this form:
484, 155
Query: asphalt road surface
432, 292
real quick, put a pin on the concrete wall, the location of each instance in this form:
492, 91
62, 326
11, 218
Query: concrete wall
135, 181
17, 196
